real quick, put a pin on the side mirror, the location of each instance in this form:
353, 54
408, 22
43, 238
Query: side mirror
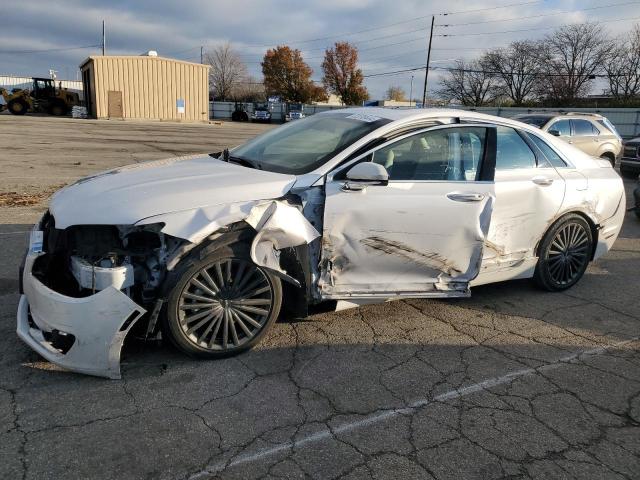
368, 172
555, 133
365, 174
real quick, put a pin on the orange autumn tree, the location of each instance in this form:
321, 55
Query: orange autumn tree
342, 75
288, 76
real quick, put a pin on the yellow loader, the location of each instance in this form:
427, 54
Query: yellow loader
42, 97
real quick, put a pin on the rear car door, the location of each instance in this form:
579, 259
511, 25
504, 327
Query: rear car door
529, 193
585, 136
423, 233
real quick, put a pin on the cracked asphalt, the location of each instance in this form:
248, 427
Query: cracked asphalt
510, 383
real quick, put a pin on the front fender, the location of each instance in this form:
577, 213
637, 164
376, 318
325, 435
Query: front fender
278, 225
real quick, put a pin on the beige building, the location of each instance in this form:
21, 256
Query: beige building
145, 87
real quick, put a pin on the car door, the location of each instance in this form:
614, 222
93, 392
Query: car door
529, 193
585, 136
422, 234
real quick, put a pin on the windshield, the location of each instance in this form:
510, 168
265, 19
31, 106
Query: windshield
535, 120
304, 145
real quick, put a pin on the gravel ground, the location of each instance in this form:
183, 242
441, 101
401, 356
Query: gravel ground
511, 383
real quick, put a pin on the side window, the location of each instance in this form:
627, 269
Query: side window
449, 154
562, 126
549, 153
512, 151
584, 128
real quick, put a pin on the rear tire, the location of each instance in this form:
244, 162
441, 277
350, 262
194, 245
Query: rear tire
18, 106
564, 254
58, 109
220, 304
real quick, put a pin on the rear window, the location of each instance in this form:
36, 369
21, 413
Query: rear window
512, 151
549, 153
584, 128
607, 124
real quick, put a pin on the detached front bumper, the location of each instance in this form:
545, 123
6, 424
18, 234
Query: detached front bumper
98, 325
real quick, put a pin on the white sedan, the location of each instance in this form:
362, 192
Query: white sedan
345, 207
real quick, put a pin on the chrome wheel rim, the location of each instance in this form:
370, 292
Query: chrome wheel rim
568, 253
225, 304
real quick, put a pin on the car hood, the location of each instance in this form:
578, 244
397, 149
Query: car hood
126, 195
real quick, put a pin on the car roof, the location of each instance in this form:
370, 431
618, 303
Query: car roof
582, 115
403, 116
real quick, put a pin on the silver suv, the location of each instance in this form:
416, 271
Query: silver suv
590, 132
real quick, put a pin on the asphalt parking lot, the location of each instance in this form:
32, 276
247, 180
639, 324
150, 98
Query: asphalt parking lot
511, 383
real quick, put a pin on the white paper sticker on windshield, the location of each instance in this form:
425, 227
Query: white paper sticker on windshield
363, 117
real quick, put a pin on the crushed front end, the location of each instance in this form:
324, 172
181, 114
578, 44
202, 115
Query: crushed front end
85, 287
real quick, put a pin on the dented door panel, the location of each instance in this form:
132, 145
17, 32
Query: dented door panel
526, 199
403, 238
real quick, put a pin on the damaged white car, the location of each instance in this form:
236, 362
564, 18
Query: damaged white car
346, 207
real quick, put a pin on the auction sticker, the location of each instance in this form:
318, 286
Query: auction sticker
363, 117
35, 241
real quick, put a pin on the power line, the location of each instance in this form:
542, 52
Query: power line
536, 16
526, 29
488, 72
388, 25
61, 49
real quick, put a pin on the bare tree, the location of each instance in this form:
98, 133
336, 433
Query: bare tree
570, 57
249, 89
623, 67
470, 83
227, 71
396, 93
516, 69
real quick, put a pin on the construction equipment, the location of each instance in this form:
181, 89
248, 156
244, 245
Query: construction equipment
42, 97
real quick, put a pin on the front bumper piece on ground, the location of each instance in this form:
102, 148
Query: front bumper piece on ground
99, 324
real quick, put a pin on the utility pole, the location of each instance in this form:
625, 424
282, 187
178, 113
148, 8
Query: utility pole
426, 68
104, 46
201, 55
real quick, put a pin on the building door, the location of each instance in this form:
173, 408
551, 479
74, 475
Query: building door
114, 103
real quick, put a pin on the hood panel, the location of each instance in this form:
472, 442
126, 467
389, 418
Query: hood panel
126, 195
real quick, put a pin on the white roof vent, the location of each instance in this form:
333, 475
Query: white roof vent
151, 53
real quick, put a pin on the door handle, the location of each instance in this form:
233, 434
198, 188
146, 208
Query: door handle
465, 197
544, 181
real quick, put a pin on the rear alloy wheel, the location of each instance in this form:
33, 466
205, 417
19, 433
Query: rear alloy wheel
564, 254
222, 305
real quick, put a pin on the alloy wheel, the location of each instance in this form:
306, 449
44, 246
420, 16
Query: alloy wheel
568, 254
225, 304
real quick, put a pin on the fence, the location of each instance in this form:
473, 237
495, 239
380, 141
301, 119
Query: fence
626, 120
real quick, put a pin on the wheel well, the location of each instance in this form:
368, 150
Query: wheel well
294, 260
590, 222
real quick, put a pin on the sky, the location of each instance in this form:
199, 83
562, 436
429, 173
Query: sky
390, 35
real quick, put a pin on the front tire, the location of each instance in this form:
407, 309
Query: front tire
564, 254
221, 304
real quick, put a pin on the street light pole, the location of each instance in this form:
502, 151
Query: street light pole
103, 39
